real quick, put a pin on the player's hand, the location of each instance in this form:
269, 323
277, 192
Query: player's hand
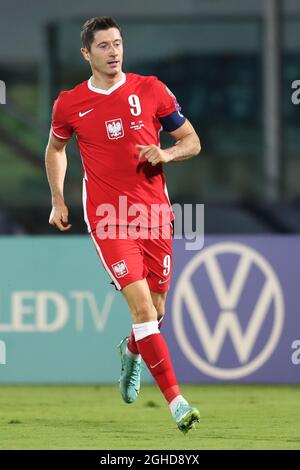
154, 154
59, 217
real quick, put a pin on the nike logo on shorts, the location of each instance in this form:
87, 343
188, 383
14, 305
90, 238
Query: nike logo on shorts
162, 281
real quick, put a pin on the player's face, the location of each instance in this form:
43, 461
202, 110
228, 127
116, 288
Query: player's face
106, 54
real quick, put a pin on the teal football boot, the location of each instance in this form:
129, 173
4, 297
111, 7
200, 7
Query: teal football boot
130, 378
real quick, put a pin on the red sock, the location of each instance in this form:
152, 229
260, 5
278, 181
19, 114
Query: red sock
131, 345
155, 353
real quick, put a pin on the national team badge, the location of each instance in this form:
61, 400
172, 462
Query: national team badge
120, 268
114, 128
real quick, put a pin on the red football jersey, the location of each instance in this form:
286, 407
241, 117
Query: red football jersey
108, 124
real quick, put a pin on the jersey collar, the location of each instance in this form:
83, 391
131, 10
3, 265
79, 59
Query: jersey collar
111, 89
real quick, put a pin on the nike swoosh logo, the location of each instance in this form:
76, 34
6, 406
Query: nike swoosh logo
157, 364
86, 112
162, 281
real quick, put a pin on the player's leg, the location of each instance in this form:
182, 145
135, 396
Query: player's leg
154, 351
158, 260
135, 294
159, 300
123, 261
130, 380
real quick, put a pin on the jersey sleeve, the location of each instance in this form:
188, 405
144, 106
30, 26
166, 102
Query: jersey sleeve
60, 128
167, 107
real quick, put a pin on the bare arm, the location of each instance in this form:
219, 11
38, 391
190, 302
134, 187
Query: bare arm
187, 143
187, 146
56, 166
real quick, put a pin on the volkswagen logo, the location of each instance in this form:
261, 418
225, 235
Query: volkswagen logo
241, 311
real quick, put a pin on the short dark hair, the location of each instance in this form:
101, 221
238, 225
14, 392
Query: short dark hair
96, 24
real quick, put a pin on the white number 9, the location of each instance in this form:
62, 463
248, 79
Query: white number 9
167, 265
135, 104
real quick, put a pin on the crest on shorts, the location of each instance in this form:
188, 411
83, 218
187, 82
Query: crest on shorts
114, 128
120, 268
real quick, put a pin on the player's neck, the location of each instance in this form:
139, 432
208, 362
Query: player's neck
104, 82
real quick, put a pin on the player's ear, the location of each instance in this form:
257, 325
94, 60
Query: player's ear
85, 53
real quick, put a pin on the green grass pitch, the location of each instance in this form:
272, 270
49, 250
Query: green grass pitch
94, 417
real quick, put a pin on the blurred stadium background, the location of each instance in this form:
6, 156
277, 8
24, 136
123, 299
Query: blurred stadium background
211, 53
231, 65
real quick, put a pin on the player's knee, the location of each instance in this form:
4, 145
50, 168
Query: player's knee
143, 312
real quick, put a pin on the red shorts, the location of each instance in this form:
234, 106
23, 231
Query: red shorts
127, 260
